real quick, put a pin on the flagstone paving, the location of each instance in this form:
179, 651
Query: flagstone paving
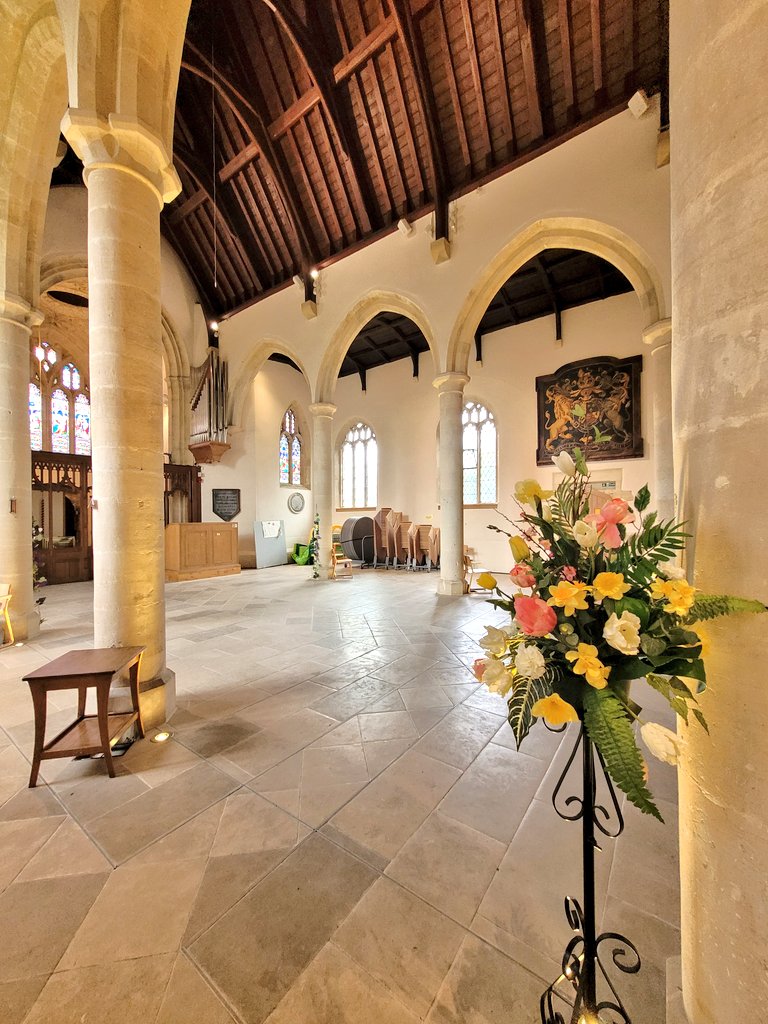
340, 830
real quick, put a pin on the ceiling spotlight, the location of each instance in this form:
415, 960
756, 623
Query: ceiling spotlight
405, 227
214, 326
314, 273
161, 737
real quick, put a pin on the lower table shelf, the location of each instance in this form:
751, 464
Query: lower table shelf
83, 736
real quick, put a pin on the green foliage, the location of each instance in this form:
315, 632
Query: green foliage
710, 606
610, 729
654, 543
642, 498
524, 695
680, 698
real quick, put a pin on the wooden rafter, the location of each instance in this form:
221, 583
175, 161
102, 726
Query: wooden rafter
596, 16
477, 78
196, 63
501, 70
566, 51
546, 284
530, 73
417, 65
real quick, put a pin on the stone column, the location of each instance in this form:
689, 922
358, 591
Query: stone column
322, 476
659, 338
126, 172
16, 320
720, 386
450, 387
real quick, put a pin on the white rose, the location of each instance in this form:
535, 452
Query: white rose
497, 677
585, 534
529, 662
672, 571
565, 464
662, 743
623, 634
495, 640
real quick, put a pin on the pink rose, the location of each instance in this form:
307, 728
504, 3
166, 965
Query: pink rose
607, 521
569, 573
534, 616
522, 576
478, 668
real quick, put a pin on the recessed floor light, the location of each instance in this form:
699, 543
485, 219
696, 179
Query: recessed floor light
161, 737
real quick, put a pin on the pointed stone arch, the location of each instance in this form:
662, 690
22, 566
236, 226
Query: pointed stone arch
557, 233
254, 363
362, 313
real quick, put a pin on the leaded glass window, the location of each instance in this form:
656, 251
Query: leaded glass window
59, 421
82, 425
290, 450
35, 418
359, 468
70, 377
479, 457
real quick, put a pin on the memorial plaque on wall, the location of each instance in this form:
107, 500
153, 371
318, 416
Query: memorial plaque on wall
592, 404
226, 502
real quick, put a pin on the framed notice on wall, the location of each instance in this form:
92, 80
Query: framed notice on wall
592, 404
226, 502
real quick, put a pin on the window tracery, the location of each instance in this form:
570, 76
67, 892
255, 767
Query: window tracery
359, 466
290, 451
479, 444
59, 406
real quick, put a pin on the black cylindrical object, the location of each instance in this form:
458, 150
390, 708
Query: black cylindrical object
357, 538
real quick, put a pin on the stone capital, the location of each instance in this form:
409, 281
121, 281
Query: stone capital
124, 145
658, 334
447, 382
320, 409
17, 311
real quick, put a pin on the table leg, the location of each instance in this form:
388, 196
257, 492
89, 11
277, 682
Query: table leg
40, 705
102, 712
82, 692
134, 677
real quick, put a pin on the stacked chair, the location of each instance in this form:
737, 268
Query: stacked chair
380, 537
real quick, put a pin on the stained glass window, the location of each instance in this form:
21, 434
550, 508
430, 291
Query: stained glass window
284, 469
296, 462
70, 377
290, 450
359, 468
59, 421
479, 459
82, 425
35, 418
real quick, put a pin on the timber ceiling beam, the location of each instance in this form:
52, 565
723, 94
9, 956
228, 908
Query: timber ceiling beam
417, 65
566, 50
530, 71
325, 84
273, 162
546, 283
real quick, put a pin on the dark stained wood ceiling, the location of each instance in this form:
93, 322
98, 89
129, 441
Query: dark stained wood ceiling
305, 128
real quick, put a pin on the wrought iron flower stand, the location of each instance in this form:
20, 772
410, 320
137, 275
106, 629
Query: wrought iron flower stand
584, 990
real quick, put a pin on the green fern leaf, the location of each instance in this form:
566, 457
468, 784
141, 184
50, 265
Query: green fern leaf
611, 731
710, 606
524, 695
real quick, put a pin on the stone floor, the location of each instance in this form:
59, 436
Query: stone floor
340, 830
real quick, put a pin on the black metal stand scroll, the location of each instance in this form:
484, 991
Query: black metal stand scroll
584, 991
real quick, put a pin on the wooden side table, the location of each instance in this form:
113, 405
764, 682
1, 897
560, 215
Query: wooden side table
88, 734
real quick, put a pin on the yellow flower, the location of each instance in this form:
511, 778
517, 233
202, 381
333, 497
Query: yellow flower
486, 581
570, 596
678, 594
587, 664
520, 550
704, 637
556, 710
527, 491
610, 584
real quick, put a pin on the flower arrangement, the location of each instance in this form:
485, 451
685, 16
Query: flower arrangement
599, 602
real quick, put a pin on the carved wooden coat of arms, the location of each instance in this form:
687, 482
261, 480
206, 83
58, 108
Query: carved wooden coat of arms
592, 404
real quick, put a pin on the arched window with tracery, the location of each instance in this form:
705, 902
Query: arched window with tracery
359, 468
479, 444
59, 407
290, 451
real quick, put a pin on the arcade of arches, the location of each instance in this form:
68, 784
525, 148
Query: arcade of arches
336, 789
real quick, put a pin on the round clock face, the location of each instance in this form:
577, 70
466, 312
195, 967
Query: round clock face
296, 502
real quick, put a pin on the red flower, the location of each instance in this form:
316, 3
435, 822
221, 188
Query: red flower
534, 616
522, 576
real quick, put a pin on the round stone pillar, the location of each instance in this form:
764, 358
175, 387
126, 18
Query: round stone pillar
16, 319
450, 387
659, 338
322, 477
128, 176
720, 387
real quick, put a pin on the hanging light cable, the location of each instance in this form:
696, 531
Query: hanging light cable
213, 154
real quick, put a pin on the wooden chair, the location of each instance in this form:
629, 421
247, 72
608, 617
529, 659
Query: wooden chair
5, 600
341, 565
